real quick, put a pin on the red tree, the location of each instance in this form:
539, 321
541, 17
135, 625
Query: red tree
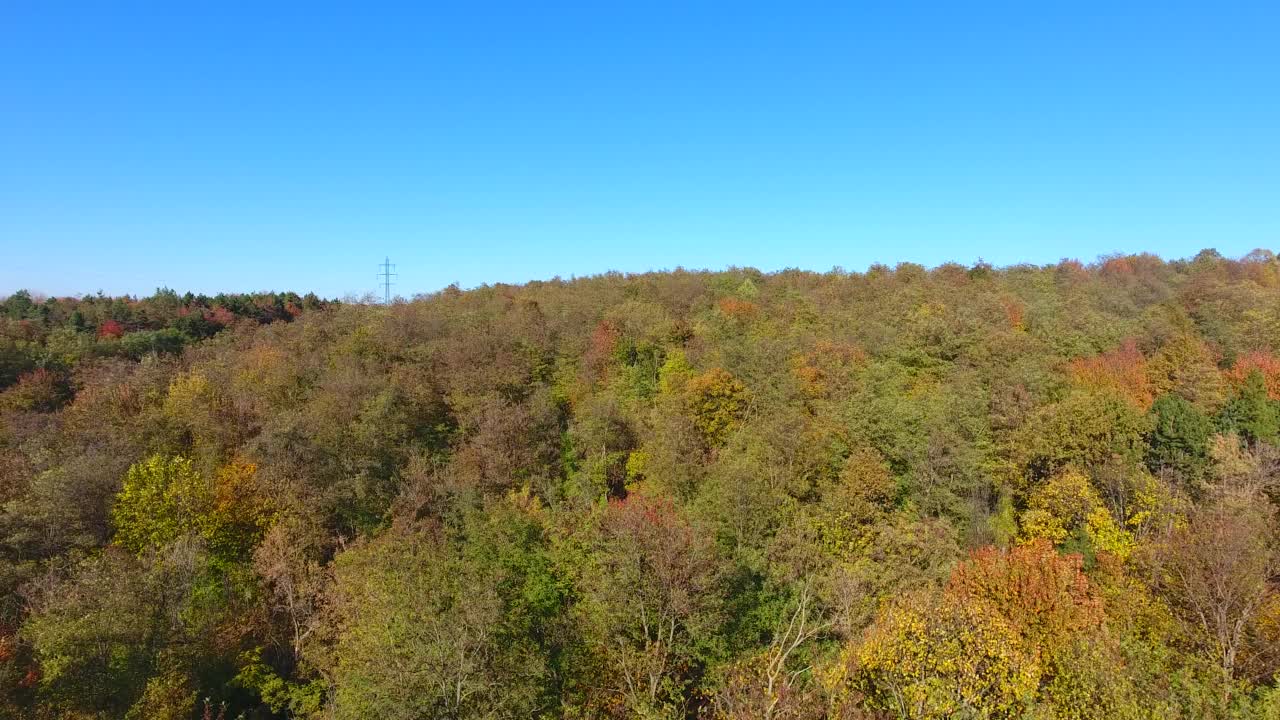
110, 329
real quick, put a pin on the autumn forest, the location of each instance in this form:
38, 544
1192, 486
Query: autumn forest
1040, 492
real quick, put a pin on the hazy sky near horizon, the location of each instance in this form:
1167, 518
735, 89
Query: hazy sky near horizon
212, 146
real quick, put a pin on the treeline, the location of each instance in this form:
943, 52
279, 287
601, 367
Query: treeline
966, 492
53, 335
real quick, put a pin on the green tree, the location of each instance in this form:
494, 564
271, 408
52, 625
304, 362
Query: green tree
95, 632
117, 635
1250, 412
1084, 430
426, 627
1178, 443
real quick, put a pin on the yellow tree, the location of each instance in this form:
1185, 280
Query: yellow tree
1007, 635
1068, 504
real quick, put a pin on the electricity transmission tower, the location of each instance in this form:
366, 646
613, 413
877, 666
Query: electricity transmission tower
385, 276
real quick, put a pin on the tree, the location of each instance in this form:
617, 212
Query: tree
1263, 362
1219, 571
161, 342
18, 305
1251, 412
111, 329
40, 390
1003, 638
167, 696
95, 632
651, 604
717, 401
1084, 430
933, 656
1185, 365
775, 684
289, 563
64, 508
416, 634
1067, 507
424, 626
15, 360
1178, 444
1122, 372
163, 499
118, 635
1044, 596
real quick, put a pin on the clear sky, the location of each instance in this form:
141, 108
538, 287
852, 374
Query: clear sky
243, 145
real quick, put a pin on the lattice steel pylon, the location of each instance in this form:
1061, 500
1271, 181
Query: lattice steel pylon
385, 276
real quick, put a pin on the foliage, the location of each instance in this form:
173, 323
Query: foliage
651, 606
1120, 372
1004, 639
1067, 506
717, 401
425, 628
165, 499
973, 492
1179, 441
1251, 412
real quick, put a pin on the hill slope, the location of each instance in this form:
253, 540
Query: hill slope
967, 491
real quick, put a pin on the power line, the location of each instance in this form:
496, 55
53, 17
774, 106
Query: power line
385, 276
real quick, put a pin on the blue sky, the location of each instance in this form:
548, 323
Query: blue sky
214, 146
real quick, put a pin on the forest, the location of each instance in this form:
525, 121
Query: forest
1024, 492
